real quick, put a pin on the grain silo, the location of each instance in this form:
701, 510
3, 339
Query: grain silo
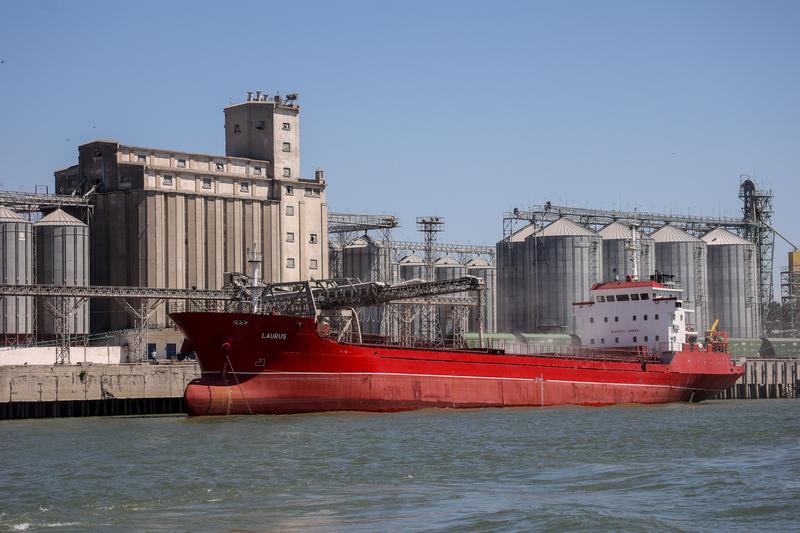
62, 258
482, 269
682, 256
446, 268
618, 252
16, 268
564, 261
412, 267
732, 283
512, 305
367, 260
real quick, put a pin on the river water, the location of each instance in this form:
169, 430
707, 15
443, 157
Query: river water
732, 465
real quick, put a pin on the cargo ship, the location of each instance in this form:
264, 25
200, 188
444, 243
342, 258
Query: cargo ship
635, 347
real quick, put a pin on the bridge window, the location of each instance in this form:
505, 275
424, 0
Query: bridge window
644, 296
610, 298
601, 299
622, 298
634, 296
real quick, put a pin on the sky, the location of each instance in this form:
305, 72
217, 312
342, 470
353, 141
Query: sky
459, 109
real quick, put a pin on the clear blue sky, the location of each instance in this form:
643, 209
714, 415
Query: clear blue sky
461, 109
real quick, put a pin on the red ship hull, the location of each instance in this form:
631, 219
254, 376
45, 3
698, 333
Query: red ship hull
278, 365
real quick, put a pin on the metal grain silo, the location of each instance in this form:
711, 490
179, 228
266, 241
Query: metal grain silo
618, 250
680, 255
412, 267
564, 261
512, 304
481, 268
447, 268
367, 260
62, 258
16, 268
732, 283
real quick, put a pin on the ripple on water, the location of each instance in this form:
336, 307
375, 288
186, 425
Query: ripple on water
716, 465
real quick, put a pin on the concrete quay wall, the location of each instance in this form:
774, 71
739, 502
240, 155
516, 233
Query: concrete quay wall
79, 390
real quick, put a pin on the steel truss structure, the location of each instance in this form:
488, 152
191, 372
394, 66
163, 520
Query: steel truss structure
790, 300
29, 202
296, 298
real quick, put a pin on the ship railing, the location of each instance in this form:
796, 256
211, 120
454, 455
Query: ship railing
640, 354
634, 355
208, 306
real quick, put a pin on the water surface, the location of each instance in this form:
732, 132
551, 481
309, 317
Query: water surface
732, 465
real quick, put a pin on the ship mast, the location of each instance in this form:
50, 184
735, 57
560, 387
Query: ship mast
633, 251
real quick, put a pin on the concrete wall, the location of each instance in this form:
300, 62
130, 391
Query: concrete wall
94, 382
46, 355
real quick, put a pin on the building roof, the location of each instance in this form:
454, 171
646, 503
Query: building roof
565, 227
7, 215
479, 262
670, 233
446, 261
363, 242
719, 236
59, 218
135, 148
523, 233
412, 260
615, 231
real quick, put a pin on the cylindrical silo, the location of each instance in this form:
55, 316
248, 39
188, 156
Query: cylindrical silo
481, 268
447, 268
618, 249
367, 260
682, 256
62, 258
564, 261
732, 283
512, 295
16, 268
335, 259
412, 267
